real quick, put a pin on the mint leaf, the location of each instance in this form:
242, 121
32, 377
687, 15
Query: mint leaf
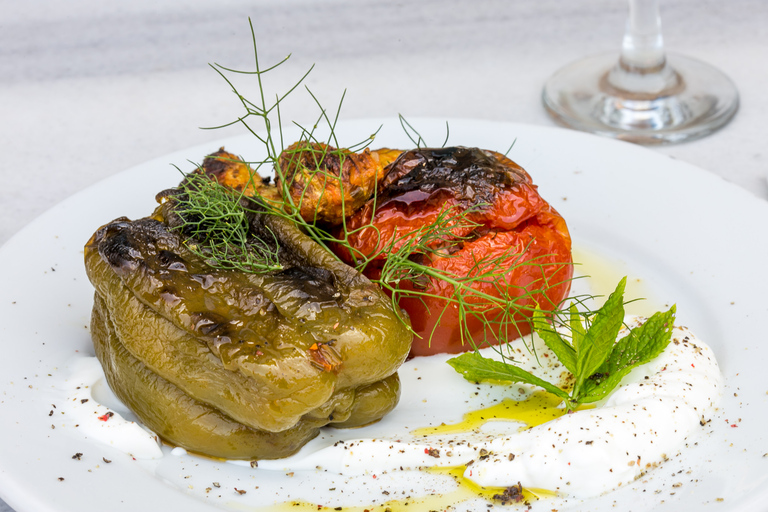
598, 341
577, 328
641, 345
562, 349
476, 368
590, 351
645, 342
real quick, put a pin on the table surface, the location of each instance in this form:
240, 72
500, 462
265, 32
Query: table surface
88, 88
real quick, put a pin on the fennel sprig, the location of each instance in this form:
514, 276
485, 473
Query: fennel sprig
215, 222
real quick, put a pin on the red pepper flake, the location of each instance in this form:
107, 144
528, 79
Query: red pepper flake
325, 357
692, 365
733, 425
106, 416
374, 477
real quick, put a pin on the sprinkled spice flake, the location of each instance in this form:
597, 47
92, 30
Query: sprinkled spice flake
106, 416
512, 494
641, 449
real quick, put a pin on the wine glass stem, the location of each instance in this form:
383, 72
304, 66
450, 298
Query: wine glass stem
643, 46
642, 71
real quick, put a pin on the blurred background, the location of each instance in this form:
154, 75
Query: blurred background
88, 88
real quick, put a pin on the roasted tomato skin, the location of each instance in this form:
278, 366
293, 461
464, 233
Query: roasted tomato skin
516, 236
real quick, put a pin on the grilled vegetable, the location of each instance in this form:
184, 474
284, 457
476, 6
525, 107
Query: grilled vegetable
499, 248
237, 364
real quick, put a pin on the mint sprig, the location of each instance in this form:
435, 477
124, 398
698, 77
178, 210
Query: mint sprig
586, 345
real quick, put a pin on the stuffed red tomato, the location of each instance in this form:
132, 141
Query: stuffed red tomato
490, 248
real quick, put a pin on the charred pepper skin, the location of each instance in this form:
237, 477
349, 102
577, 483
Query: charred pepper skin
236, 365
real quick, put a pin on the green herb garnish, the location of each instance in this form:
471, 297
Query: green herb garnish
215, 221
585, 343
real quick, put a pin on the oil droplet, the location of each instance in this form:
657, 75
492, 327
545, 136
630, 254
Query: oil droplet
540, 407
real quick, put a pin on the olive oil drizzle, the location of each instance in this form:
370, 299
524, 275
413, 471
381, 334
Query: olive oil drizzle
489, 493
465, 490
540, 407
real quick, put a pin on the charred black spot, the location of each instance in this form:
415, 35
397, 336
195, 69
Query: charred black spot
469, 174
218, 163
171, 261
116, 246
125, 245
312, 282
302, 292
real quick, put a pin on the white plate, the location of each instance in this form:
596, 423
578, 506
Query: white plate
691, 237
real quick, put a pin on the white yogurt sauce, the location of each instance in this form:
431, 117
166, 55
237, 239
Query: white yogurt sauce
583, 454
86, 408
646, 420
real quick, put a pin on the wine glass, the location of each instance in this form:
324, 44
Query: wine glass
645, 96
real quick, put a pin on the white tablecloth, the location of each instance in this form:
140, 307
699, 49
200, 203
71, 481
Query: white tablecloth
88, 88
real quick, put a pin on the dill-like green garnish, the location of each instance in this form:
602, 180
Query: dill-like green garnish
216, 224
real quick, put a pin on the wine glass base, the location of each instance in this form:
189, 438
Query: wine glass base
578, 96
